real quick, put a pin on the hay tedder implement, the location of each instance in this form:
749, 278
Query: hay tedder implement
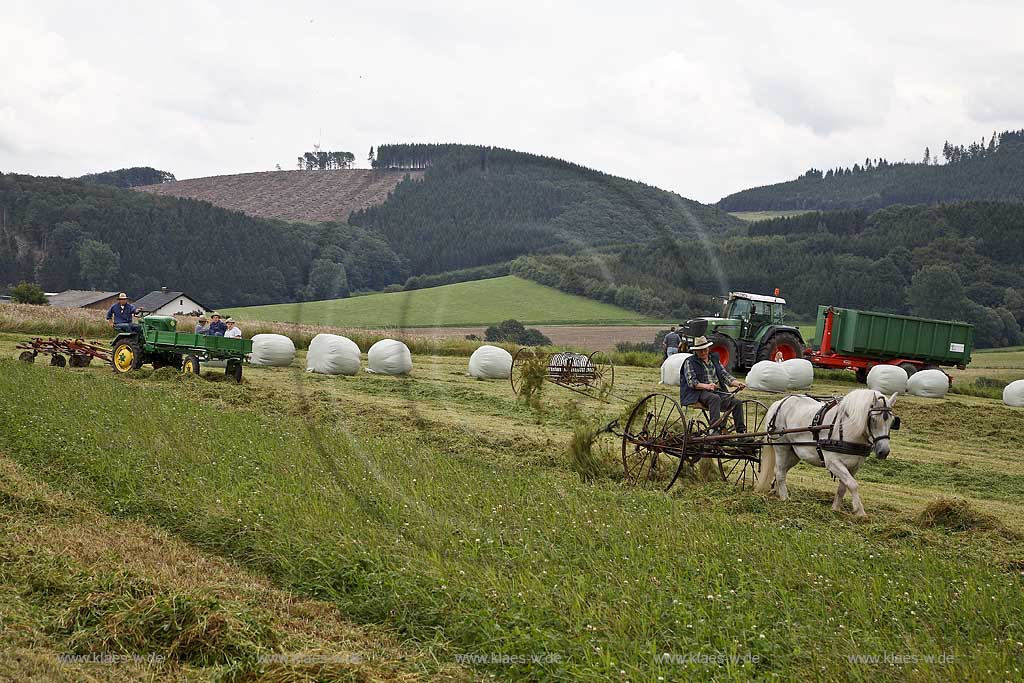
592, 375
74, 352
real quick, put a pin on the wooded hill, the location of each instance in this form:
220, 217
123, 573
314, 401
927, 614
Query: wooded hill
961, 262
982, 170
482, 205
130, 177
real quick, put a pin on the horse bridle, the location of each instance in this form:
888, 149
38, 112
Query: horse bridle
886, 412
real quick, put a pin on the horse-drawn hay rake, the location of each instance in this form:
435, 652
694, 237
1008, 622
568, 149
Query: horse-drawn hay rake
592, 376
74, 352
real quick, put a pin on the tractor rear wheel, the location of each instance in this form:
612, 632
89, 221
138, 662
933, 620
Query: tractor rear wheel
782, 346
726, 350
127, 356
190, 365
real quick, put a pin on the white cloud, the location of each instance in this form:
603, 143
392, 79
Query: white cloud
697, 98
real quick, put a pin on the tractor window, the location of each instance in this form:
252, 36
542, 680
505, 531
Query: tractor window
740, 309
778, 311
762, 309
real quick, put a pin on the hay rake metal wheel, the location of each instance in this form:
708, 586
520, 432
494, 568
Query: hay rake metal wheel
740, 462
654, 434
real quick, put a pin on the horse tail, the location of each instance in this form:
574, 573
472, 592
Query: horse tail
767, 475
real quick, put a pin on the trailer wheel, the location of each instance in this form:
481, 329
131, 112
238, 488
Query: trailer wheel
909, 367
58, 360
234, 371
27, 357
862, 375
190, 365
781, 346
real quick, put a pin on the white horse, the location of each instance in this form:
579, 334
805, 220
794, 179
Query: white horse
859, 423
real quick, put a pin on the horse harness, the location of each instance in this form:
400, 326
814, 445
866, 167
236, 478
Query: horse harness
839, 445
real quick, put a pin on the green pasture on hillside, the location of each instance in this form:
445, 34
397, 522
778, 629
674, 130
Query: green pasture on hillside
481, 302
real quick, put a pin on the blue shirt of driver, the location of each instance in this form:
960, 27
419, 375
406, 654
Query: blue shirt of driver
121, 313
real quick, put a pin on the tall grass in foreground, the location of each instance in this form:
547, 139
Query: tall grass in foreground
495, 558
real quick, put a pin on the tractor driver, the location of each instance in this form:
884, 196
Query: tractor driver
704, 380
120, 315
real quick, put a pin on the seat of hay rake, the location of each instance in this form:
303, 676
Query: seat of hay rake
663, 440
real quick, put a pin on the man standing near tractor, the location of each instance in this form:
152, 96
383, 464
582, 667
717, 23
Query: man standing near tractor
705, 381
120, 315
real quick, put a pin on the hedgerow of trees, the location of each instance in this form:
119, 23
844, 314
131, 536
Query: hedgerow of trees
318, 160
992, 169
130, 177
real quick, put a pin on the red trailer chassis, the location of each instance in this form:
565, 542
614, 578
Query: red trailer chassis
825, 357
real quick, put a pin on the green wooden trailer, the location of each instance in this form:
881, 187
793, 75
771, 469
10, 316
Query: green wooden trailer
160, 344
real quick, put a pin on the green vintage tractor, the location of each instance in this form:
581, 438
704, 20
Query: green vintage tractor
750, 329
160, 344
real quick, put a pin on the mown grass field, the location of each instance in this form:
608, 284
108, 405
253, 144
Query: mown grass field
481, 302
439, 509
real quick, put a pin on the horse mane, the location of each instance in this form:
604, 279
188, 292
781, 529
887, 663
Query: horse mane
853, 413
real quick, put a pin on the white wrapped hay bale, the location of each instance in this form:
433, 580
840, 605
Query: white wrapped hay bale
272, 351
671, 368
389, 357
490, 362
767, 375
928, 383
800, 372
888, 379
1013, 394
332, 354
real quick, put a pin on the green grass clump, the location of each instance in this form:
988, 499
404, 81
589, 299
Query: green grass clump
477, 303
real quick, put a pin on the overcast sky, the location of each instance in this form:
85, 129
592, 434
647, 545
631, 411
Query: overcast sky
696, 97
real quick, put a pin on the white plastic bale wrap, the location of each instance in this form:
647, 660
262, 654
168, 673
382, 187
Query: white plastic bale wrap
490, 362
389, 357
800, 372
272, 351
332, 354
1013, 394
888, 379
671, 368
928, 383
767, 375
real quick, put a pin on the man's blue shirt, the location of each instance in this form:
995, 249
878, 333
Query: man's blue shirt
122, 315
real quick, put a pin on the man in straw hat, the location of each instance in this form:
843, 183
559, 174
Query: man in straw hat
704, 380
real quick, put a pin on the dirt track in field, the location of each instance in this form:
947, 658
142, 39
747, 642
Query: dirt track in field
596, 338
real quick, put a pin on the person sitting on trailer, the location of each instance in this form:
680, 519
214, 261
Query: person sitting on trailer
202, 327
703, 380
120, 315
233, 331
217, 328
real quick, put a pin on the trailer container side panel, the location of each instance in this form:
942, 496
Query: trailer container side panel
201, 341
883, 335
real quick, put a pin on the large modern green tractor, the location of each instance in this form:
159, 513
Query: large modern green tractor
750, 329
159, 343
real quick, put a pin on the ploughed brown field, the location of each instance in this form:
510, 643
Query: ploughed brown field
595, 338
291, 195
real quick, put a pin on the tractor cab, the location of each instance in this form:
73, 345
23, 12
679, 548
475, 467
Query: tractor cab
751, 328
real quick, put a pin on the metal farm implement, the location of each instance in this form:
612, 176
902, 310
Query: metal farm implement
74, 352
661, 436
592, 375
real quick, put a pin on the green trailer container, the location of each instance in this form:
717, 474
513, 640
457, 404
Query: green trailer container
861, 339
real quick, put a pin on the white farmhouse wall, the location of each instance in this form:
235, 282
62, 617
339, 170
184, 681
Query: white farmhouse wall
180, 306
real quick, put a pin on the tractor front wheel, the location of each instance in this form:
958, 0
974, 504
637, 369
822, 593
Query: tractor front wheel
190, 365
782, 346
127, 356
726, 350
